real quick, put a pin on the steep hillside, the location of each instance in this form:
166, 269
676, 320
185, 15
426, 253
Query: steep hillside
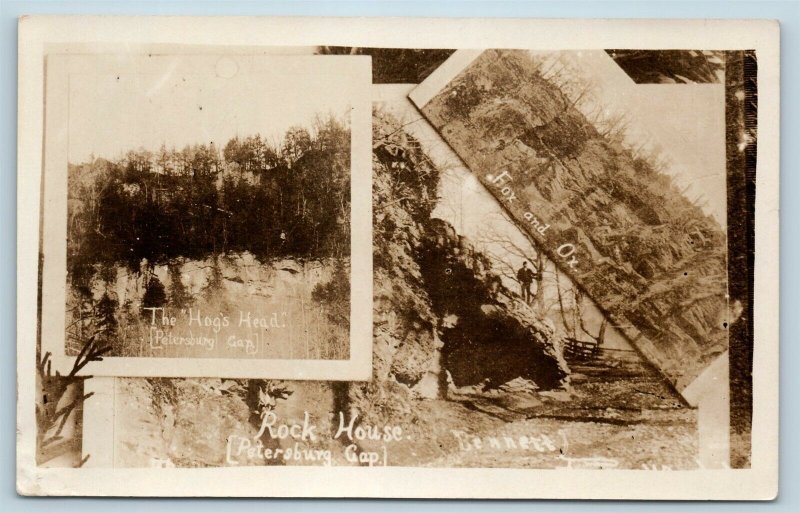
609, 217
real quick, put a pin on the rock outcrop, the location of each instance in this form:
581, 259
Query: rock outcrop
489, 336
439, 309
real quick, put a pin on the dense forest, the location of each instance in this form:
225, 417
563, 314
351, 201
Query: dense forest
290, 198
671, 66
395, 65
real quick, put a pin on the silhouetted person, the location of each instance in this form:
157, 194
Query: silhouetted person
525, 276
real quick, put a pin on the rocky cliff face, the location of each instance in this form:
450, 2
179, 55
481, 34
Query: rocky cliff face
231, 285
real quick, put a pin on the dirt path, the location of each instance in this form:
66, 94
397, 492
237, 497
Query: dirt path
618, 414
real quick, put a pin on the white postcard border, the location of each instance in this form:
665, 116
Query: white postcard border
759, 482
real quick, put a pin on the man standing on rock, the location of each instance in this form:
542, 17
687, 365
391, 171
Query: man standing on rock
525, 276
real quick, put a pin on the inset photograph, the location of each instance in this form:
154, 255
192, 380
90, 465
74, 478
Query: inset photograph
201, 215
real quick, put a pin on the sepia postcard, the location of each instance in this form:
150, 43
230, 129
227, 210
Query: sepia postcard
440, 258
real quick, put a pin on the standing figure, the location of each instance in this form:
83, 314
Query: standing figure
525, 276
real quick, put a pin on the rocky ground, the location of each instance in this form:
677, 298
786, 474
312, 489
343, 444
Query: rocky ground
618, 414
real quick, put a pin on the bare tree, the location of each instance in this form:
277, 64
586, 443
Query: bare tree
507, 252
572, 310
53, 390
567, 312
601, 331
